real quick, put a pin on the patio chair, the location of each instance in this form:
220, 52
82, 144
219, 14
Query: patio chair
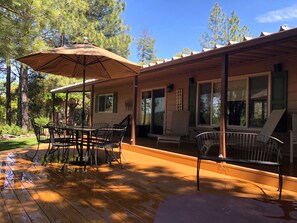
42, 136
100, 125
111, 139
61, 139
293, 136
272, 122
179, 128
126, 121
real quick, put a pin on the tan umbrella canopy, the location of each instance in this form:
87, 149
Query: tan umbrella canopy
81, 61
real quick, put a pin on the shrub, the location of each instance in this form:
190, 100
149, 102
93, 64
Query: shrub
41, 121
12, 130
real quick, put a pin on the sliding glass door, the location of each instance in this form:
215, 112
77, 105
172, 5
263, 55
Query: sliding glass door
153, 109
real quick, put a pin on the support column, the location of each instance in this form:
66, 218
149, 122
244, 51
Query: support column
134, 115
224, 94
92, 106
53, 107
66, 109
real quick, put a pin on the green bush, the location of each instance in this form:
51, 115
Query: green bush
12, 130
41, 121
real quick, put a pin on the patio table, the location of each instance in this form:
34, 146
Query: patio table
80, 131
79, 141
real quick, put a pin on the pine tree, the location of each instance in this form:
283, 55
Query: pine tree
222, 28
33, 25
146, 48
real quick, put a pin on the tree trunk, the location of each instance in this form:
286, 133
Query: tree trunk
8, 93
19, 115
23, 99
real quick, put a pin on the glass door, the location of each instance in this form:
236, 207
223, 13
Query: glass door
152, 110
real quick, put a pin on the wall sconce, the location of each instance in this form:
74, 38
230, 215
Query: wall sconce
170, 87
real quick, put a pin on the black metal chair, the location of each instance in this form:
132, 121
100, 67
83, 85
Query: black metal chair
110, 139
61, 139
125, 122
42, 136
100, 125
100, 139
116, 138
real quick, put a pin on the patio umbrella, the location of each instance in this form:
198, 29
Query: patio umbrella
81, 61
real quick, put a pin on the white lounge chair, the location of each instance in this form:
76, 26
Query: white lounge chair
179, 128
272, 121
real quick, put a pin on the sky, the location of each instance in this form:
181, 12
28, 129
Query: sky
178, 24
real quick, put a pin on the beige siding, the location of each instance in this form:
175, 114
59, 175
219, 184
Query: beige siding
180, 78
125, 94
161, 81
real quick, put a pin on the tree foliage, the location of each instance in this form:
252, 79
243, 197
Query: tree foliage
33, 25
146, 48
185, 50
222, 28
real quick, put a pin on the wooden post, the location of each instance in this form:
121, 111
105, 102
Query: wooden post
92, 106
66, 108
53, 107
134, 115
224, 94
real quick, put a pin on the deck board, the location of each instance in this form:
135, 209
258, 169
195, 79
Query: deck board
100, 195
4, 214
20, 188
14, 206
31, 192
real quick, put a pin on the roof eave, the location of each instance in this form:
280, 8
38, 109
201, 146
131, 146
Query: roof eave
230, 49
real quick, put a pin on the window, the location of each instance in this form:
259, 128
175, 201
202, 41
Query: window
216, 103
105, 103
236, 108
146, 108
247, 102
258, 101
204, 103
153, 110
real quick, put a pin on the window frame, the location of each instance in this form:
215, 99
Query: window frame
240, 77
97, 101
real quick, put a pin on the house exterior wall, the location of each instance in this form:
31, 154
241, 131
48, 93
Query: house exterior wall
124, 88
180, 79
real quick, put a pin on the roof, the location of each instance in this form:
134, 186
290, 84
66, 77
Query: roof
266, 45
73, 87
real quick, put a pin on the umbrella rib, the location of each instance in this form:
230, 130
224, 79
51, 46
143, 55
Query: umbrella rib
99, 61
75, 61
74, 69
71, 59
56, 58
105, 69
126, 66
44, 65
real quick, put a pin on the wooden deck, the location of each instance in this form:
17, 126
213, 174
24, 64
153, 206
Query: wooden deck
189, 148
31, 192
